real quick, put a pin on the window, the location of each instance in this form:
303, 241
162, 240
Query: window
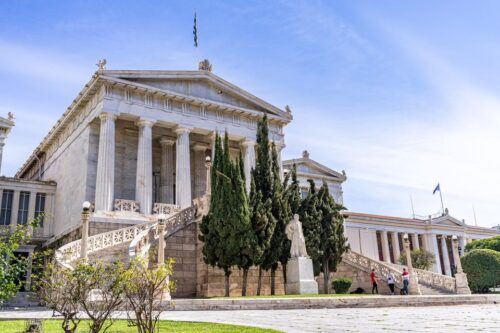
22, 213
6, 208
40, 208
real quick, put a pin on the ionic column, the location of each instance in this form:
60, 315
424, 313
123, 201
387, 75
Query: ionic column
446, 257
425, 242
167, 171
144, 175
200, 171
105, 179
248, 161
385, 246
395, 246
2, 144
461, 244
434, 249
183, 168
414, 239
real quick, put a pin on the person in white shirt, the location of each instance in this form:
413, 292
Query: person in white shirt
390, 282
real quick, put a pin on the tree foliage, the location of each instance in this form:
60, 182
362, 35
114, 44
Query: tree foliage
492, 243
226, 229
482, 267
420, 259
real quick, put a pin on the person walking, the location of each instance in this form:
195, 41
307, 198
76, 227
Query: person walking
390, 282
406, 281
373, 278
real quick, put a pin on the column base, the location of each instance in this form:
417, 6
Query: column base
300, 277
462, 284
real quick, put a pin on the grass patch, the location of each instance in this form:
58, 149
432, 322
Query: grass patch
296, 296
121, 326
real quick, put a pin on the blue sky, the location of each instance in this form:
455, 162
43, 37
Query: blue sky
400, 94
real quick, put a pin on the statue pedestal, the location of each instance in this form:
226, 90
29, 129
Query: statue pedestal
462, 285
300, 277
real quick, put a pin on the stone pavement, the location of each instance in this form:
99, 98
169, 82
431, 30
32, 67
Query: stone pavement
461, 318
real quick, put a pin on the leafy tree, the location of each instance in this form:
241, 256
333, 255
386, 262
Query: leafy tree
420, 259
482, 267
261, 198
311, 217
279, 248
333, 243
12, 267
226, 229
492, 243
100, 292
145, 290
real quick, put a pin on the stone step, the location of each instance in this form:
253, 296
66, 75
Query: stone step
112, 254
428, 290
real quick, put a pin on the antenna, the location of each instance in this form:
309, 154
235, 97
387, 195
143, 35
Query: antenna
412, 209
474, 211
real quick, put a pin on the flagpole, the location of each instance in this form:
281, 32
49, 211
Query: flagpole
412, 209
441, 196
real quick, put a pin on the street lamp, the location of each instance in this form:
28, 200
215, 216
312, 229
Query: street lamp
208, 165
161, 238
86, 207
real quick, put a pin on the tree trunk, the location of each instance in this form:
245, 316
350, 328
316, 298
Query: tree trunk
259, 281
245, 282
227, 274
326, 276
273, 276
283, 268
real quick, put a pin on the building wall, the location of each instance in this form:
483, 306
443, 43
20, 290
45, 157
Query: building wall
363, 241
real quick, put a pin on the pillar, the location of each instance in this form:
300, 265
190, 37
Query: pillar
15, 210
167, 170
385, 246
183, 168
434, 249
414, 238
144, 174
105, 179
446, 258
248, 160
200, 171
161, 242
425, 242
406, 247
395, 246
461, 244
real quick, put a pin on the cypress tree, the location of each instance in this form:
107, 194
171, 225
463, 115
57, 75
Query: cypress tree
261, 193
282, 213
333, 243
224, 228
310, 216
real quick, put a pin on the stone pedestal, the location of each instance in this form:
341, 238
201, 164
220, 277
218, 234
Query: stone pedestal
300, 277
462, 284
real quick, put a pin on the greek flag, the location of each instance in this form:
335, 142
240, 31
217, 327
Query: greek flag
195, 32
438, 188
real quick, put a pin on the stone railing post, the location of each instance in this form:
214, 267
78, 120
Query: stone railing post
413, 287
208, 166
85, 231
161, 239
461, 283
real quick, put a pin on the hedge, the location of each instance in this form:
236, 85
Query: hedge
341, 285
482, 267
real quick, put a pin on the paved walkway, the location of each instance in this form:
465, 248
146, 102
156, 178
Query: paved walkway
462, 318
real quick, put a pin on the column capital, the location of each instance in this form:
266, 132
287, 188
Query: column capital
145, 122
182, 129
200, 147
166, 141
107, 115
278, 144
248, 143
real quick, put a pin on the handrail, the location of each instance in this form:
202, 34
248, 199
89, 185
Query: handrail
436, 280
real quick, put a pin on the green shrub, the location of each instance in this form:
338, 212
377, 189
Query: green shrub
341, 285
482, 267
420, 259
492, 243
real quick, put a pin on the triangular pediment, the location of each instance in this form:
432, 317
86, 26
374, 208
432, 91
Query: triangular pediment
448, 220
308, 166
199, 84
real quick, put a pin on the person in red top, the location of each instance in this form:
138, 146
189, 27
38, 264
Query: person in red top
373, 278
406, 281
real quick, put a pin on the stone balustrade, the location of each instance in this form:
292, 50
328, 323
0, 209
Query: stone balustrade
435, 280
123, 205
166, 209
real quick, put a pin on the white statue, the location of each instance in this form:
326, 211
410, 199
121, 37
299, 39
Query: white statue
101, 65
294, 233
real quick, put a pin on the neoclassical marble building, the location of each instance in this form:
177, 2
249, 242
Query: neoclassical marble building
135, 143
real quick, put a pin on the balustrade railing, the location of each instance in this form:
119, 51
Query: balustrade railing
435, 280
122, 205
167, 209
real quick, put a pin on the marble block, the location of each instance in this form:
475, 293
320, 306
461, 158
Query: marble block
300, 277
462, 284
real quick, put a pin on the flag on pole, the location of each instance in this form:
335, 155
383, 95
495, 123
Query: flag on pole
195, 32
438, 188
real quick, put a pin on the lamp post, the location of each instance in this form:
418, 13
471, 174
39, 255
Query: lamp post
208, 165
86, 207
161, 239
